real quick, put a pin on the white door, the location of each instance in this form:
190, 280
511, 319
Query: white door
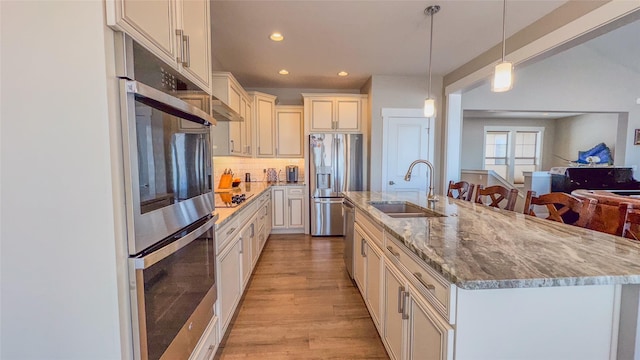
407, 137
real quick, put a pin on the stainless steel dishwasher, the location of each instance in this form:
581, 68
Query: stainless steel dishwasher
349, 218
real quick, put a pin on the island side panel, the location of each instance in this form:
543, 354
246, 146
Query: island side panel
570, 322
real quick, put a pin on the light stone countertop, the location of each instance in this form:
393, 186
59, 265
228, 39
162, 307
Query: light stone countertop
256, 189
479, 247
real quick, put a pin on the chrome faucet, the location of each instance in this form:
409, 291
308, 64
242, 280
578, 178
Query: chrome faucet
407, 177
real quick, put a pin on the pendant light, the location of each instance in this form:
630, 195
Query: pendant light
503, 73
430, 102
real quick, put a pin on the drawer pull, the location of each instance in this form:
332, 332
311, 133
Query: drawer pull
393, 252
231, 231
429, 287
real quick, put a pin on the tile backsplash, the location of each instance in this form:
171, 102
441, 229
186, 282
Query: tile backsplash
255, 166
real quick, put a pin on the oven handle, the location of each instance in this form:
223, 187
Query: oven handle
146, 261
167, 103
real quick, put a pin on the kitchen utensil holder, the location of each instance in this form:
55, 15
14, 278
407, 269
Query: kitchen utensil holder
225, 181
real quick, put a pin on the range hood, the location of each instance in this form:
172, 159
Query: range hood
223, 112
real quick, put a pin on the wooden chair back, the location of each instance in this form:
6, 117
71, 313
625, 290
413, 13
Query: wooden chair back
562, 207
629, 221
497, 194
460, 190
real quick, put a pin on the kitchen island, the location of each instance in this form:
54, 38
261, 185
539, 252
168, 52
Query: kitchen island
501, 285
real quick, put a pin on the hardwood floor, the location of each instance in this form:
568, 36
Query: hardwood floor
301, 304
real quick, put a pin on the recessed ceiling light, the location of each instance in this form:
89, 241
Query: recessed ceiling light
343, 73
276, 36
283, 72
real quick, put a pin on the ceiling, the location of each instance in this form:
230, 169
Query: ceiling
499, 114
361, 37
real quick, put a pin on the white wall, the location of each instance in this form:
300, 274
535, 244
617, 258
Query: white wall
579, 133
58, 260
576, 80
473, 139
399, 92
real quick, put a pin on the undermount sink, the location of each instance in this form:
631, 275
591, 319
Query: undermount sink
404, 210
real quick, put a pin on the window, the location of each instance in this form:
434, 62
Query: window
510, 152
496, 152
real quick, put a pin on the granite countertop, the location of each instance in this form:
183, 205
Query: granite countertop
253, 190
479, 247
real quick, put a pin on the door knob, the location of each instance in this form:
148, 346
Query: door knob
391, 183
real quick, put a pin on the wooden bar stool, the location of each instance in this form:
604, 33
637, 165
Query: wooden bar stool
629, 221
497, 194
562, 207
460, 190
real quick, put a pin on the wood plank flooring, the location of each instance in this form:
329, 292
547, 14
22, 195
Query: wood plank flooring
301, 304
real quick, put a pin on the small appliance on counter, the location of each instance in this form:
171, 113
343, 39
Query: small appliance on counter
292, 173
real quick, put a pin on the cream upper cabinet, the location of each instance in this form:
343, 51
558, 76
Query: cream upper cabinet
235, 135
321, 114
195, 24
348, 114
151, 23
264, 124
248, 127
334, 112
289, 129
177, 31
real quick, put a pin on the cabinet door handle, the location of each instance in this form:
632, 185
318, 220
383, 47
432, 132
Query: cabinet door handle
231, 231
241, 246
180, 56
405, 301
232, 145
401, 300
187, 51
362, 247
393, 252
429, 287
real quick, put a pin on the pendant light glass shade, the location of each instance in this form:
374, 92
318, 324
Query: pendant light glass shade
502, 77
429, 107
503, 72
430, 102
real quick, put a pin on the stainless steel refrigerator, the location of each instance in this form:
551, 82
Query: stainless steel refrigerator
335, 165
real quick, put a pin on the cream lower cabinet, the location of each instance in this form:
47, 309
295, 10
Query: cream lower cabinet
367, 272
229, 281
263, 224
206, 347
238, 247
246, 237
412, 328
420, 309
288, 209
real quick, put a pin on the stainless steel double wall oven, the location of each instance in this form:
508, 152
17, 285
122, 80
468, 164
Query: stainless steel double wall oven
169, 199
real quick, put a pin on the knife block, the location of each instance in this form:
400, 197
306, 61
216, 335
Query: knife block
225, 181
